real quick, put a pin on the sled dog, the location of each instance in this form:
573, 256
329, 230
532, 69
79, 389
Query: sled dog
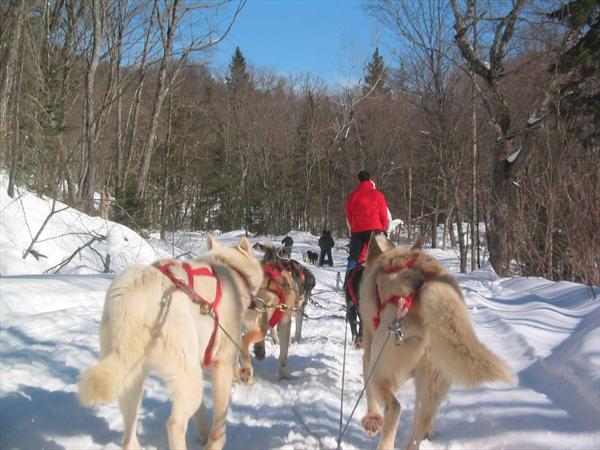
278, 296
309, 256
169, 318
432, 340
305, 281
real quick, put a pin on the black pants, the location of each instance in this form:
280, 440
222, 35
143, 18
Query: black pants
357, 242
351, 290
323, 255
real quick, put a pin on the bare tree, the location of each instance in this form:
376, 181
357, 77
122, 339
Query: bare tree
426, 50
513, 140
168, 20
11, 24
90, 123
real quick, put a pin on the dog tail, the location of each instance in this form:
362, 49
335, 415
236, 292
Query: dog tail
103, 382
455, 349
123, 338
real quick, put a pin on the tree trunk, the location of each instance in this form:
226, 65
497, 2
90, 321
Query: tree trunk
498, 227
15, 152
474, 213
461, 240
162, 89
435, 221
7, 81
410, 192
89, 181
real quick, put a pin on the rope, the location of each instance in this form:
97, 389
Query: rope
339, 440
306, 427
343, 380
318, 305
226, 333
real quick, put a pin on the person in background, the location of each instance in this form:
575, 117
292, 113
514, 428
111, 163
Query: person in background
366, 211
286, 251
326, 244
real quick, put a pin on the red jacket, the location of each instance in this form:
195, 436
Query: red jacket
366, 209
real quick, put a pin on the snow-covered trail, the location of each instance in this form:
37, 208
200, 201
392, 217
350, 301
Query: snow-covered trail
49, 334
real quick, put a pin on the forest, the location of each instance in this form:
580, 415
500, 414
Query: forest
483, 132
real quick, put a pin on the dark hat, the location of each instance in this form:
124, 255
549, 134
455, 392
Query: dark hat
363, 175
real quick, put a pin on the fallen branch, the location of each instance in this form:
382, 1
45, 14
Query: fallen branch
35, 239
66, 261
37, 255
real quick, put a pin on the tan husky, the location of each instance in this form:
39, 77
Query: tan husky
169, 318
432, 340
278, 299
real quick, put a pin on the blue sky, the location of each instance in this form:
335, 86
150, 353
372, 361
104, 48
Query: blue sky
323, 37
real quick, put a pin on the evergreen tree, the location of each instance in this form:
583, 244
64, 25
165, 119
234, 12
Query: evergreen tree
376, 78
238, 78
579, 67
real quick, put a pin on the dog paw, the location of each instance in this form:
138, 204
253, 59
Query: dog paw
245, 375
372, 424
216, 441
430, 435
259, 350
357, 342
284, 374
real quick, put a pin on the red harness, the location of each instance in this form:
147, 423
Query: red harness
188, 288
273, 270
350, 283
403, 303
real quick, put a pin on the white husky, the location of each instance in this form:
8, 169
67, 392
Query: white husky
149, 323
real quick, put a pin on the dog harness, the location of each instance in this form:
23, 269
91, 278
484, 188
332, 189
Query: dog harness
403, 303
273, 270
206, 306
350, 283
297, 270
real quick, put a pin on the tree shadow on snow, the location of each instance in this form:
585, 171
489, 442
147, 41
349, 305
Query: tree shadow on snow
30, 418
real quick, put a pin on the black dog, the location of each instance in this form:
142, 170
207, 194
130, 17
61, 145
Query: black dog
312, 256
351, 288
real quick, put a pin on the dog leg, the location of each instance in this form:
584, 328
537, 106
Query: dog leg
298, 317
201, 420
222, 377
431, 388
274, 336
391, 414
185, 385
246, 371
284, 331
373, 421
129, 404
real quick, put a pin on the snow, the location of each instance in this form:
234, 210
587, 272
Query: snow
534, 119
548, 332
513, 156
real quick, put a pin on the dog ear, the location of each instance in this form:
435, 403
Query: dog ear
212, 243
377, 245
245, 246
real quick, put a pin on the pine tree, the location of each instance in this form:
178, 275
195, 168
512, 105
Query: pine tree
238, 78
579, 66
376, 78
